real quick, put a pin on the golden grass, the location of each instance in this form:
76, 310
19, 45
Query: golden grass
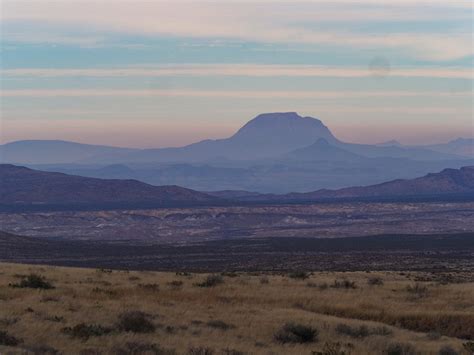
252, 309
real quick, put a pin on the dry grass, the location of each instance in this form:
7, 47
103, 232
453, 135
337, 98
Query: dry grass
116, 312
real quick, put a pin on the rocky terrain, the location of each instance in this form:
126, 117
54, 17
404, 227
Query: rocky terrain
184, 225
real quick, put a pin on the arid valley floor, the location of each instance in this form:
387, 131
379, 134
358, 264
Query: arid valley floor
326, 279
100, 311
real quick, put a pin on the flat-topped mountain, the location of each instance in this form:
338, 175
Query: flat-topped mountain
23, 186
268, 135
265, 136
282, 130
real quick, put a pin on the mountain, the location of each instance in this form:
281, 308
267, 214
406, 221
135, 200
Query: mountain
393, 151
390, 143
448, 181
321, 150
267, 135
459, 146
278, 152
53, 152
457, 182
22, 186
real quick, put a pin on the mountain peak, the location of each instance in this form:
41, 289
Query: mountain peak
389, 143
461, 140
271, 134
273, 118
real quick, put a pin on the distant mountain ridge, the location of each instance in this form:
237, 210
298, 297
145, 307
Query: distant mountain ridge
23, 186
268, 135
447, 182
459, 146
322, 150
53, 151
278, 152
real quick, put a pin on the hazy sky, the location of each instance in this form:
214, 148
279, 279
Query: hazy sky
166, 73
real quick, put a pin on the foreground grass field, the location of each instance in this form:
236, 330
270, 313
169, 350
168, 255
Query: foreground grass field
50, 310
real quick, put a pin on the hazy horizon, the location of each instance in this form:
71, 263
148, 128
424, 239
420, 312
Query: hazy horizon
224, 135
167, 74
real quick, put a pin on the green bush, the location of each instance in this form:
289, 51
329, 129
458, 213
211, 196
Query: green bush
136, 322
355, 332
218, 324
200, 350
400, 349
137, 348
211, 281
299, 275
86, 331
447, 350
296, 333
8, 340
347, 284
33, 281
375, 281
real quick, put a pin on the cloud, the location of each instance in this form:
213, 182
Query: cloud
265, 21
56, 93
252, 70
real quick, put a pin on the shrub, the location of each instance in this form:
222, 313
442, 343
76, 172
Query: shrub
136, 322
400, 349
218, 324
8, 340
355, 332
149, 287
85, 331
33, 281
361, 331
183, 273
300, 275
229, 274
322, 286
417, 290
433, 335
469, 347
296, 333
381, 331
56, 319
347, 284
43, 350
331, 348
264, 280
447, 350
136, 348
211, 281
110, 293
228, 351
375, 281
104, 271
200, 350
175, 284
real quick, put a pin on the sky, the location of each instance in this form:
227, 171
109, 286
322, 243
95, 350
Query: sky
168, 73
